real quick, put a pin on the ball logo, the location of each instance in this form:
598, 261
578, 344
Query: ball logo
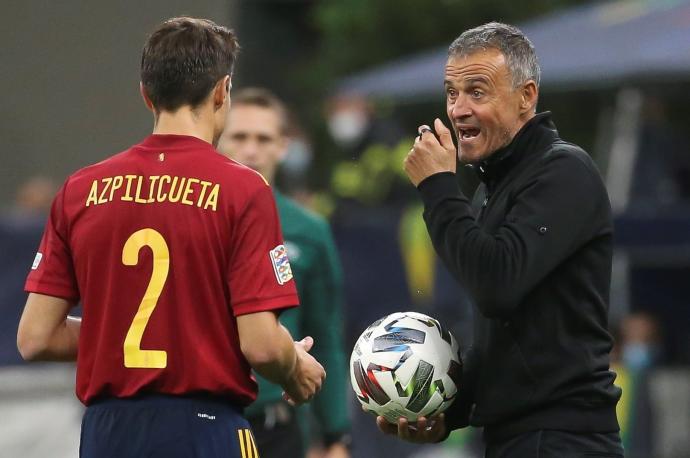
281, 264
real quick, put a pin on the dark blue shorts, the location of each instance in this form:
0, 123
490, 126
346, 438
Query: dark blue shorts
165, 426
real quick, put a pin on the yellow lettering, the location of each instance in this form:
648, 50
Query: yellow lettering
152, 185
212, 200
188, 190
137, 195
161, 197
127, 197
204, 185
93, 194
173, 187
107, 181
117, 184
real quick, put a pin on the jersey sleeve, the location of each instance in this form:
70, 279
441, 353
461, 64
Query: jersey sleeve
52, 272
260, 276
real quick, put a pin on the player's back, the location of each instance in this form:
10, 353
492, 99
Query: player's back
167, 244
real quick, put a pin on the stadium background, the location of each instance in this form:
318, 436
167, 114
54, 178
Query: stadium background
70, 98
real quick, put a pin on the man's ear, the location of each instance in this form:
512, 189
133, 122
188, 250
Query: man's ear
529, 95
221, 92
144, 96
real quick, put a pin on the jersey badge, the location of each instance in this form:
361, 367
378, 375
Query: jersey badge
281, 264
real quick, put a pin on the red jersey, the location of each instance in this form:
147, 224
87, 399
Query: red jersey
164, 244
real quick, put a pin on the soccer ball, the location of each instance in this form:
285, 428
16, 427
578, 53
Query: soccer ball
405, 365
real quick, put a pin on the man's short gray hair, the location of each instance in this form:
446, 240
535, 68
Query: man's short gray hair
518, 51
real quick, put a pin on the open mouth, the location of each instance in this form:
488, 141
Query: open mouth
469, 133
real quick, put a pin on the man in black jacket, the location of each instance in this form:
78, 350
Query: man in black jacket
533, 248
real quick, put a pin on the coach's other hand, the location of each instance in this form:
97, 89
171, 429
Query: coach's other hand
307, 376
430, 155
425, 431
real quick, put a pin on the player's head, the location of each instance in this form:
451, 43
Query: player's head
189, 62
256, 130
492, 84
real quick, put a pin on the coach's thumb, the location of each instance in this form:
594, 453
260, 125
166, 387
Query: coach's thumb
444, 135
307, 343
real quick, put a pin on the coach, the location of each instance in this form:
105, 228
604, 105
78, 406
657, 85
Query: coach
533, 247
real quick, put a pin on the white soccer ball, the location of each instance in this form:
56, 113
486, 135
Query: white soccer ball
405, 365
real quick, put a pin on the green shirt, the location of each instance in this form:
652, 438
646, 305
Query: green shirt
317, 272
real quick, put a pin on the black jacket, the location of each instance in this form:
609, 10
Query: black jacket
534, 250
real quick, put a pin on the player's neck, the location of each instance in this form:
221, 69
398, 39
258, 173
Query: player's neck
185, 121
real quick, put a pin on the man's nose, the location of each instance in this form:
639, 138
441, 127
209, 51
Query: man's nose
460, 108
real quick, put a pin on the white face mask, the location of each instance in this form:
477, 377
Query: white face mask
298, 157
348, 126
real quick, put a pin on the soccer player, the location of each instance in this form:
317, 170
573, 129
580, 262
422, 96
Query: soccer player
177, 257
256, 135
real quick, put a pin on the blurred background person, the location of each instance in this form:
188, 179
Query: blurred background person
257, 135
21, 227
635, 355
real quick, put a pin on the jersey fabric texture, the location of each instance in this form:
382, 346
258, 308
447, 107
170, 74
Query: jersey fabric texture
318, 275
165, 245
534, 249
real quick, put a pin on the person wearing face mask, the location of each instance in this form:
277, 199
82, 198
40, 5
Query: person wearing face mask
635, 356
534, 249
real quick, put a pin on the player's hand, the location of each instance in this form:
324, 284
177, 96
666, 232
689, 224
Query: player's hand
431, 153
425, 431
307, 377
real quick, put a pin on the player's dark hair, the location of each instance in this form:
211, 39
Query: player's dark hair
183, 59
260, 97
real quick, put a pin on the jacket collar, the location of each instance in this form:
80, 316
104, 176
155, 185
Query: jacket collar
497, 165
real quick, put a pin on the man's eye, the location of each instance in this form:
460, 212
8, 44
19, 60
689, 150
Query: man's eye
451, 92
476, 94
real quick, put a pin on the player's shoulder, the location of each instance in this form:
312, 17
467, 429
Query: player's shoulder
239, 173
90, 172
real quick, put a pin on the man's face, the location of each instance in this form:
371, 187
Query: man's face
253, 137
484, 109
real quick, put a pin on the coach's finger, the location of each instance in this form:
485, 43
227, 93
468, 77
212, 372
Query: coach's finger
385, 427
444, 135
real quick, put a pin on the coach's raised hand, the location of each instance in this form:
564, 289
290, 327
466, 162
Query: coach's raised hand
431, 154
307, 376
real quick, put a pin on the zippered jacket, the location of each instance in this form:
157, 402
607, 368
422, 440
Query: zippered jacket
534, 249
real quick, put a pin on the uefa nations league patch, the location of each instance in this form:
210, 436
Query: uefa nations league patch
281, 264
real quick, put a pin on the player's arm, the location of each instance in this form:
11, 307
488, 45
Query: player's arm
272, 353
46, 332
267, 345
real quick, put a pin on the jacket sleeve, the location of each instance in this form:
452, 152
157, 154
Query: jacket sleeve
322, 318
551, 214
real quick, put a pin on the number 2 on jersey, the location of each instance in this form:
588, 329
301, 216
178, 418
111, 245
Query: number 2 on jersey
135, 357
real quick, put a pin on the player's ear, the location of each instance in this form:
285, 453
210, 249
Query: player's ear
146, 98
529, 95
221, 93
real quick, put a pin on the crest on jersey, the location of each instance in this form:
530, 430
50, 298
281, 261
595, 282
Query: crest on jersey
37, 260
281, 264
